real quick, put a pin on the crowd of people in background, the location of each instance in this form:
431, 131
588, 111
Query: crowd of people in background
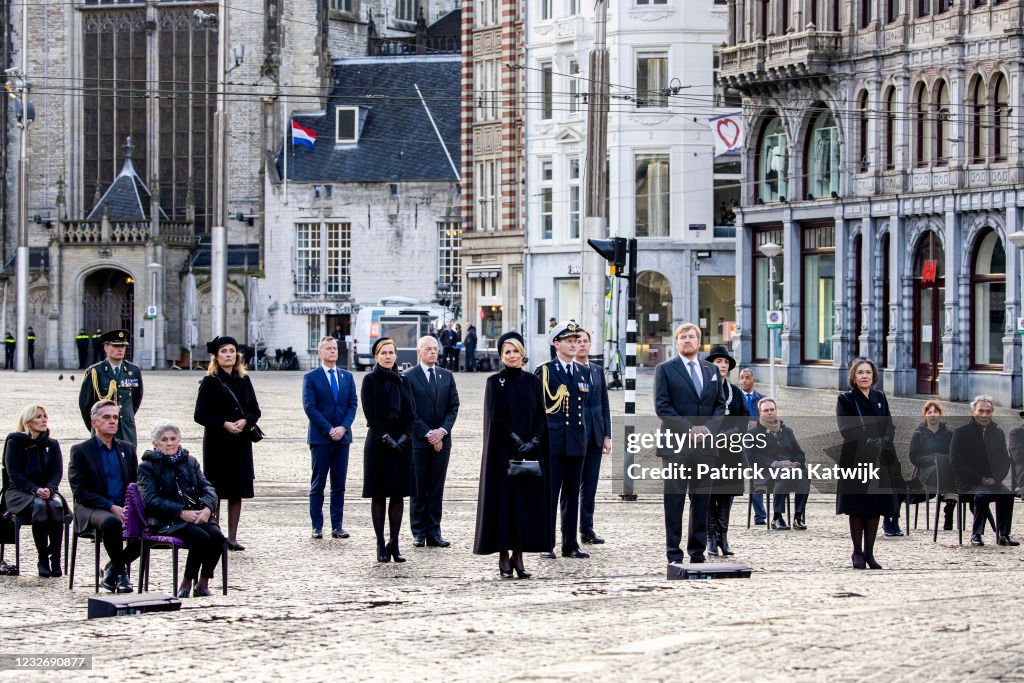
544, 437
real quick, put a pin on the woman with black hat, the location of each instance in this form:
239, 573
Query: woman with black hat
387, 403
513, 513
725, 488
227, 408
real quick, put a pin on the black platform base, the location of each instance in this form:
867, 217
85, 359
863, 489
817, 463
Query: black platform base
707, 570
121, 605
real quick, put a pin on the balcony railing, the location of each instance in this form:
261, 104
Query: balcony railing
794, 55
90, 233
415, 45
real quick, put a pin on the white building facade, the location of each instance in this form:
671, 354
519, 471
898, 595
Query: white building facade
661, 166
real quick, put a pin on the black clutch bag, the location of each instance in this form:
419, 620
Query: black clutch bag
524, 468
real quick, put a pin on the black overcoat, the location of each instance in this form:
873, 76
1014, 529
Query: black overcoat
861, 418
512, 513
227, 457
387, 404
30, 464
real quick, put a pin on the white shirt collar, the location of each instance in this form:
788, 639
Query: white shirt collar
426, 369
337, 373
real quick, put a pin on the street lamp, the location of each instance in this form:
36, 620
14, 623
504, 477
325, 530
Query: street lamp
771, 250
1017, 240
153, 312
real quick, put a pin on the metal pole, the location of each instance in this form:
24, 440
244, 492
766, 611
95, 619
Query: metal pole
629, 394
21, 257
595, 223
771, 330
218, 232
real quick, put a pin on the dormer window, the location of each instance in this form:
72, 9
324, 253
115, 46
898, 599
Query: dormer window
346, 125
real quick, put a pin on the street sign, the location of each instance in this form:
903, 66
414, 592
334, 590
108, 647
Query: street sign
774, 320
150, 312
1020, 325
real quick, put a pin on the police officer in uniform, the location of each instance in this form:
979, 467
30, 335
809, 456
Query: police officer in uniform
565, 385
9, 346
82, 345
31, 348
113, 379
97, 345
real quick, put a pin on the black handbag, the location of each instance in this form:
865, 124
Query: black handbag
524, 468
252, 431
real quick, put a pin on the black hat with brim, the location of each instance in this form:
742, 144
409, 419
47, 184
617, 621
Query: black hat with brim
115, 338
510, 336
214, 345
721, 352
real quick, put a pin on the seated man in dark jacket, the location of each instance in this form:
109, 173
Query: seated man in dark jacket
100, 471
780, 452
178, 501
979, 458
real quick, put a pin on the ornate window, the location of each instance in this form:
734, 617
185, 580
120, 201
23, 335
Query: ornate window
976, 129
822, 156
921, 125
863, 131
773, 162
941, 127
988, 300
890, 129
1000, 118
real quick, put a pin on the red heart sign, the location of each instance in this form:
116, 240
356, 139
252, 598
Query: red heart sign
729, 132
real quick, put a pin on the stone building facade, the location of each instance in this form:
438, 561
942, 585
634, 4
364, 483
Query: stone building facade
883, 154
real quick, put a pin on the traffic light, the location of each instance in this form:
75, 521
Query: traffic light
613, 251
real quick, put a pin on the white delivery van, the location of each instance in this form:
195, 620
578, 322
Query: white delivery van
402, 319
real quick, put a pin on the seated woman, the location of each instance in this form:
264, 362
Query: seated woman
33, 468
929, 442
179, 501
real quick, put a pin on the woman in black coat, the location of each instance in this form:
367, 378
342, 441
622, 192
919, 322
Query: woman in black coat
227, 408
928, 442
33, 468
512, 513
387, 453
724, 489
868, 432
179, 502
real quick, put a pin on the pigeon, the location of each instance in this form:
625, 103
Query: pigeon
60, 377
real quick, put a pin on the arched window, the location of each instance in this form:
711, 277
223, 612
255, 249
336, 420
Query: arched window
821, 154
862, 132
988, 300
976, 104
773, 162
890, 129
920, 114
1000, 118
941, 127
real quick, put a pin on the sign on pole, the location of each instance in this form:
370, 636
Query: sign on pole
774, 320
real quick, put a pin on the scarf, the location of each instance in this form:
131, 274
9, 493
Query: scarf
172, 459
392, 382
773, 427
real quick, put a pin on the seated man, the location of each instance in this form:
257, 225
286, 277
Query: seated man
780, 451
980, 461
100, 471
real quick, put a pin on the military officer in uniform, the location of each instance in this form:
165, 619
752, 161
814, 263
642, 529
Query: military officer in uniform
82, 346
565, 385
113, 379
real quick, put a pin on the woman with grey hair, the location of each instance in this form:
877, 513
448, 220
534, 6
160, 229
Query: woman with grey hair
179, 502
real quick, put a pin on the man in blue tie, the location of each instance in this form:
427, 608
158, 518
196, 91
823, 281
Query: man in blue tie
329, 399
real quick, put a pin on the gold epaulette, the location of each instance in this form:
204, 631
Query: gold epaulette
111, 390
560, 399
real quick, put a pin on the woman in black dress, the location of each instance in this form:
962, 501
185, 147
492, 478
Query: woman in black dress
723, 490
227, 408
387, 453
512, 513
33, 468
868, 432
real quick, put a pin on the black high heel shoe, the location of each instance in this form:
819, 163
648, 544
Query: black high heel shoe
871, 562
520, 569
393, 549
383, 554
504, 566
858, 560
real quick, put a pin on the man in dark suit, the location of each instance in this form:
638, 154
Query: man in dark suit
101, 469
978, 455
447, 338
750, 399
329, 399
599, 418
436, 402
565, 386
690, 400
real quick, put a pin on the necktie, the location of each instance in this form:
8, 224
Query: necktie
334, 383
750, 404
431, 380
695, 376
568, 370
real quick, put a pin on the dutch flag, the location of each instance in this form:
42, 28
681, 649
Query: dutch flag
303, 136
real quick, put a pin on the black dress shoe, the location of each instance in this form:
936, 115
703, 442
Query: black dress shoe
697, 559
858, 560
109, 581
44, 569
418, 541
232, 545
575, 553
203, 592
339, 533
549, 555
1007, 540
123, 584
55, 571
976, 539
318, 533
184, 592
591, 538
780, 524
798, 523
437, 542
383, 554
